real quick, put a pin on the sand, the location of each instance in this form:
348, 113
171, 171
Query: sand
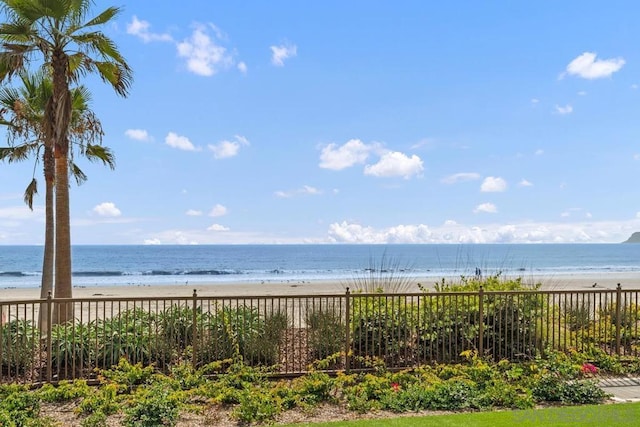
581, 281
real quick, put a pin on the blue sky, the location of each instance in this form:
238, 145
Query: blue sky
361, 122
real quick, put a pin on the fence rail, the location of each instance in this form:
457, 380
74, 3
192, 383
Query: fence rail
290, 332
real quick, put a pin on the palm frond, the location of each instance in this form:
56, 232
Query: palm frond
100, 153
77, 174
30, 192
28, 10
104, 17
16, 154
11, 63
115, 74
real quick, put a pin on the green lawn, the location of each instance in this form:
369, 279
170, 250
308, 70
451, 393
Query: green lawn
620, 415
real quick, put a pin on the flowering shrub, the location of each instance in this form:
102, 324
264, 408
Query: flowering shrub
588, 369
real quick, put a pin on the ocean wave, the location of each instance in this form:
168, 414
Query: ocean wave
155, 273
97, 273
12, 274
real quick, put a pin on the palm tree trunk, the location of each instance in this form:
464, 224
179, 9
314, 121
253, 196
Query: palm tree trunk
49, 235
59, 114
62, 275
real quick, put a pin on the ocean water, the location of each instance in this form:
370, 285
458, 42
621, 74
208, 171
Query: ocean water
20, 266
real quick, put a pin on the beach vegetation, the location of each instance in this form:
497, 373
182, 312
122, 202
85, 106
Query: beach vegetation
17, 346
141, 395
243, 332
326, 329
383, 275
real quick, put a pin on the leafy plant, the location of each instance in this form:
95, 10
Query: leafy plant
152, 407
72, 348
18, 346
326, 330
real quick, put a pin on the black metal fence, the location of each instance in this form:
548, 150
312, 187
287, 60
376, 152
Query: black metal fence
291, 332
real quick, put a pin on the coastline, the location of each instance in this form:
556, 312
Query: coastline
577, 281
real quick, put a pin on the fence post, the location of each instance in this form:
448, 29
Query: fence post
618, 307
481, 322
347, 332
49, 349
194, 330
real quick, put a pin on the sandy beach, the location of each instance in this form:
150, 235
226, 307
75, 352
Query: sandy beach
580, 281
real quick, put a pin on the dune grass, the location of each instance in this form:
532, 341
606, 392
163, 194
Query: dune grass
620, 415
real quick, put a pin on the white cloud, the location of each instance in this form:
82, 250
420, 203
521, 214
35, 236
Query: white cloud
203, 55
138, 134
355, 233
107, 209
395, 163
226, 149
453, 232
588, 67
525, 183
218, 228
539, 152
486, 208
460, 177
305, 190
493, 184
193, 212
282, 52
218, 211
567, 109
636, 157
152, 242
180, 142
634, 86
242, 67
535, 101
140, 28
582, 93
341, 157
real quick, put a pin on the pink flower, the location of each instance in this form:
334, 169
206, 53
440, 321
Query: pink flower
395, 386
588, 368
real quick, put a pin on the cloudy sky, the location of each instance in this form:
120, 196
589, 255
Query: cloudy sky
361, 122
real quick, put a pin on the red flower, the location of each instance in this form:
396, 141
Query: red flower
588, 368
395, 386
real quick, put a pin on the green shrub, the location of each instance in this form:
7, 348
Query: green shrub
383, 327
450, 324
19, 339
313, 388
128, 335
257, 406
326, 331
64, 391
241, 332
104, 400
20, 407
583, 392
454, 394
263, 345
72, 348
95, 419
154, 406
127, 376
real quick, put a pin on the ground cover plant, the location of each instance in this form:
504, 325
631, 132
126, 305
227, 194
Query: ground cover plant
137, 395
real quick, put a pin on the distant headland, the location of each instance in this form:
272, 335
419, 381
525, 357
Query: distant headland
635, 238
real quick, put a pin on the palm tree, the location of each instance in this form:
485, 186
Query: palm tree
22, 111
58, 33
